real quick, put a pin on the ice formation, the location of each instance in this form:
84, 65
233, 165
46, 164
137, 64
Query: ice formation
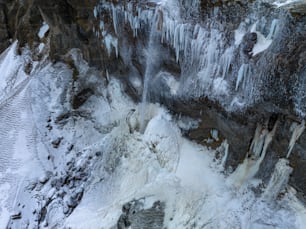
63, 167
297, 131
43, 30
125, 164
202, 50
251, 164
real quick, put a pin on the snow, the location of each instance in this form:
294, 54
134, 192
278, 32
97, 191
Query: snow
18, 155
261, 44
158, 164
193, 170
43, 30
10, 64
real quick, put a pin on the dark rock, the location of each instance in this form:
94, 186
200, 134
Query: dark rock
79, 99
55, 143
135, 216
248, 42
16, 216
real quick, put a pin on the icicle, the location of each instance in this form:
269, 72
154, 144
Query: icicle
297, 132
197, 44
176, 43
126, 16
110, 42
226, 147
196, 30
278, 181
242, 75
214, 134
226, 60
273, 29
107, 75
95, 12
101, 25
250, 166
115, 19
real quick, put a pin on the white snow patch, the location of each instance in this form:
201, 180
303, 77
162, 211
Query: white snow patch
263, 42
261, 45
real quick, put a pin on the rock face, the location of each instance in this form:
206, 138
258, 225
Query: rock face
231, 64
134, 215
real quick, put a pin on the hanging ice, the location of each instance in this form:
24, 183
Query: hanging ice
226, 60
43, 30
243, 75
95, 12
250, 166
273, 29
115, 19
111, 42
297, 132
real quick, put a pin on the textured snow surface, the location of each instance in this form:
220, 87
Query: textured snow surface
48, 149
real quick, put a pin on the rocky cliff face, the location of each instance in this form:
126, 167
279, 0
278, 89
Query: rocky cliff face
233, 65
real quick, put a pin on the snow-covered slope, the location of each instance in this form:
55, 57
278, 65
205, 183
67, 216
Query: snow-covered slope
92, 167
